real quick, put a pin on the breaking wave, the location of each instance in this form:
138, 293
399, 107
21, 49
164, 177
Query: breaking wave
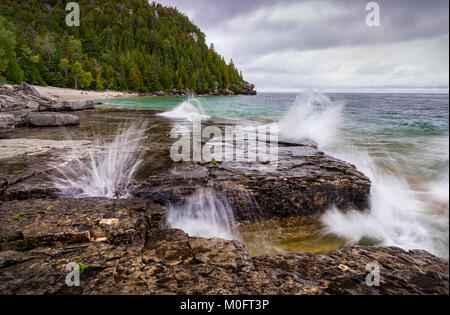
189, 110
400, 214
312, 116
204, 214
108, 172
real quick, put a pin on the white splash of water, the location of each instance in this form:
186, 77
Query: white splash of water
439, 190
204, 215
399, 215
190, 110
313, 116
106, 173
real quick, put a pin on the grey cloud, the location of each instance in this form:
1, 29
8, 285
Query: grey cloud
401, 19
254, 32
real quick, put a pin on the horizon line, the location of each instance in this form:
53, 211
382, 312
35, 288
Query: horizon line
360, 90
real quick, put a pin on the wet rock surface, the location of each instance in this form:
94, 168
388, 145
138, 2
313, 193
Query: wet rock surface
52, 119
126, 251
31, 156
305, 182
171, 262
29, 224
26, 165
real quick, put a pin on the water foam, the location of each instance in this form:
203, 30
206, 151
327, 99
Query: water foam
314, 116
107, 173
399, 215
190, 110
204, 214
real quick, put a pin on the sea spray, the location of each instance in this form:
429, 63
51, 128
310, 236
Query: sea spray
399, 215
107, 172
314, 116
190, 110
204, 214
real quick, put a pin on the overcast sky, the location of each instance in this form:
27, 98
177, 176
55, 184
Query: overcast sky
326, 44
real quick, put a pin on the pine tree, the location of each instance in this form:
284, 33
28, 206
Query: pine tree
99, 83
180, 85
135, 79
14, 73
7, 45
148, 49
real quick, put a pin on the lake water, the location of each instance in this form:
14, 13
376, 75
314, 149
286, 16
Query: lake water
400, 141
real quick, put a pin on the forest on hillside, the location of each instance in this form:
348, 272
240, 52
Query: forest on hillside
128, 45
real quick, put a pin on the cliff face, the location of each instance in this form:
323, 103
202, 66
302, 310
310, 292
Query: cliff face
128, 45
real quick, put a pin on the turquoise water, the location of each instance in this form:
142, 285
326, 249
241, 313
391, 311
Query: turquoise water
410, 128
400, 141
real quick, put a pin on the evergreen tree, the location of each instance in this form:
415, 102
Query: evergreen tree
99, 83
14, 73
135, 79
121, 45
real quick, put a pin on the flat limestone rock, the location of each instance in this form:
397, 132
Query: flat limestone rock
306, 181
27, 165
52, 120
34, 223
171, 262
67, 105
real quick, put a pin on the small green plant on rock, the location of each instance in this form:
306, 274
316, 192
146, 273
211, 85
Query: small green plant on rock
20, 214
82, 268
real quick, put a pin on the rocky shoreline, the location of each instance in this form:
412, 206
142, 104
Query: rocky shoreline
125, 251
125, 243
23, 105
248, 89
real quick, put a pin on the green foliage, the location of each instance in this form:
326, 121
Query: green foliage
99, 83
7, 45
20, 214
120, 45
13, 72
77, 73
82, 268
